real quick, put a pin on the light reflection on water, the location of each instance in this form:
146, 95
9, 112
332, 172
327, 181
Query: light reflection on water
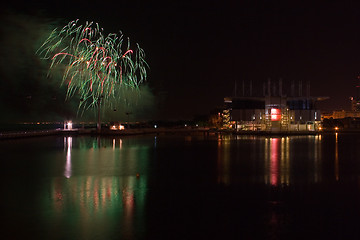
136, 187
275, 157
105, 186
336, 157
97, 203
68, 145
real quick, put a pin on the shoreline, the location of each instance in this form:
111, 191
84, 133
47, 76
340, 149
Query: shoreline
145, 131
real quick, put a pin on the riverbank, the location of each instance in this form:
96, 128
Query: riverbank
143, 131
104, 132
24, 134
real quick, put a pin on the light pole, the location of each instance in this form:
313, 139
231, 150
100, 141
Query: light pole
128, 116
98, 125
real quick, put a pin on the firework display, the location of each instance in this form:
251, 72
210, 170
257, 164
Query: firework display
95, 66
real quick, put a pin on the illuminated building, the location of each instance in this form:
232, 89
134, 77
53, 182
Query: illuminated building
353, 113
355, 101
355, 104
274, 110
341, 114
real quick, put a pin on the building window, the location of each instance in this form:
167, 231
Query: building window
275, 114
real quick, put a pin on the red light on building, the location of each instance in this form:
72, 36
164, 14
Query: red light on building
275, 114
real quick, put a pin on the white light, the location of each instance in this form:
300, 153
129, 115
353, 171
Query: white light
121, 127
69, 125
155, 126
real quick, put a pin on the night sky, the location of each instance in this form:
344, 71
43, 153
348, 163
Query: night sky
197, 50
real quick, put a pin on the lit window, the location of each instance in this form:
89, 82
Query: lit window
275, 114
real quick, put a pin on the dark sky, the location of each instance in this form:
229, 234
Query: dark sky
198, 49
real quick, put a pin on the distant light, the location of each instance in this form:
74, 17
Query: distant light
185, 125
155, 126
69, 125
115, 127
197, 125
336, 128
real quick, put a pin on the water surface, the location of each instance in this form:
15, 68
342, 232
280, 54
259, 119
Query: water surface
181, 187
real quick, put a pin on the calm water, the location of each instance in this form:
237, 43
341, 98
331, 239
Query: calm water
181, 187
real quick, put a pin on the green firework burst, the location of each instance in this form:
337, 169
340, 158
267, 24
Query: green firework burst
94, 66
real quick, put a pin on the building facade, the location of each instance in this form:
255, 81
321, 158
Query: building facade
274, 111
